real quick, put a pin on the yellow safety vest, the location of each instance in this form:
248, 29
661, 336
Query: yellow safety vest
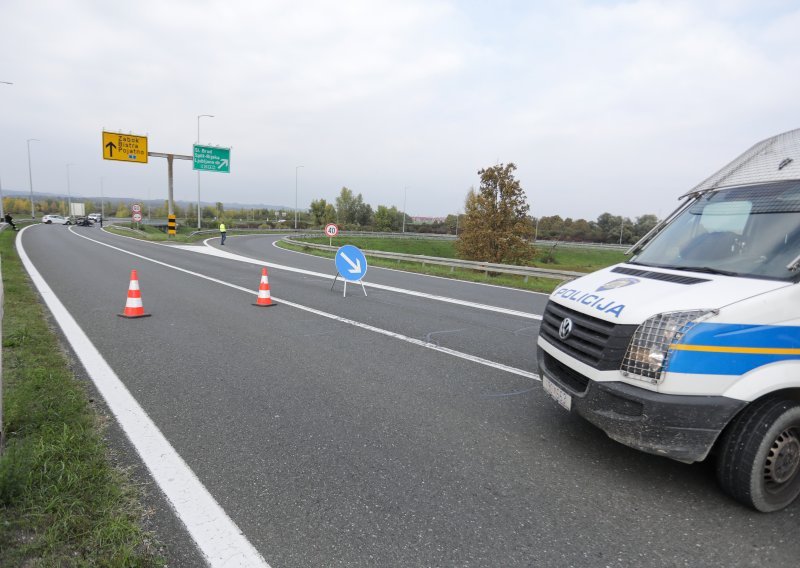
222, 227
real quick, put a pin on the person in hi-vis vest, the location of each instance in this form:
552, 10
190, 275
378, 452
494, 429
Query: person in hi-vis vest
222, 232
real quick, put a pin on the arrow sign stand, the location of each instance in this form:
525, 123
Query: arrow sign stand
345, 285
351, 264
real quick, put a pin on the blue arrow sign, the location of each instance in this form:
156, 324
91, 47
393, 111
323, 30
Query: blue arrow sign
351, 263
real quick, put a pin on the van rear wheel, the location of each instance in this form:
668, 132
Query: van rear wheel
759, 460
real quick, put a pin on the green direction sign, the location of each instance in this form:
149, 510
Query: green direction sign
212, 159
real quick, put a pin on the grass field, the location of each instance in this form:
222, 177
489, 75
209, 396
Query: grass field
62, 502
582, 260
146, 232
562, 258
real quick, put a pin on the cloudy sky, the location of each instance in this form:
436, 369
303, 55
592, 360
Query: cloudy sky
602, 105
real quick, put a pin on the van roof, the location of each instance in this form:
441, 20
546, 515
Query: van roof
774, 159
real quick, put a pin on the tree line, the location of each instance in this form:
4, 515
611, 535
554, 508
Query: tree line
496, 217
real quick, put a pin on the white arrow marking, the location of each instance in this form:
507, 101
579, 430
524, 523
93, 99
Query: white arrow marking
356, 266
222, 163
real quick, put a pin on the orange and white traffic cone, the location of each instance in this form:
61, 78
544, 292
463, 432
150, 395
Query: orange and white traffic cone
134, 307
264, 299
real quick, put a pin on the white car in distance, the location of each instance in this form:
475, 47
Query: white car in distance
56, 220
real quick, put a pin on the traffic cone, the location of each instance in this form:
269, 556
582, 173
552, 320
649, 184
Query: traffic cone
134, 307
264, 299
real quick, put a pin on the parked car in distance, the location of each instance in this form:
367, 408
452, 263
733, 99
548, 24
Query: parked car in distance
95, 217
56, 219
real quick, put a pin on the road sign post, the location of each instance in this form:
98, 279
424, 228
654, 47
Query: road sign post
351, 265
136, 209
331, 230
212, 159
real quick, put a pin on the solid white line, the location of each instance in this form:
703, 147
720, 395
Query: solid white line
209, 250
216, 535
427, 345
386, 268
232, 256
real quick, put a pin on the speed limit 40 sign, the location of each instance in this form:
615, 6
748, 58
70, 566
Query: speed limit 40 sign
331, 230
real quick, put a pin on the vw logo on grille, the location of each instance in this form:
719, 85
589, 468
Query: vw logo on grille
565, 330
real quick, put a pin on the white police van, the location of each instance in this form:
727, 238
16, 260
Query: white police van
692, 347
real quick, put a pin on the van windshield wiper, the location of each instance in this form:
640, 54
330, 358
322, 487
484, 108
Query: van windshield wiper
704, 270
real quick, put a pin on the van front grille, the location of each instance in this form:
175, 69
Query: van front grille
598, 343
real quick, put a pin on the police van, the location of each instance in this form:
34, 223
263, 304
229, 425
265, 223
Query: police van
691, 348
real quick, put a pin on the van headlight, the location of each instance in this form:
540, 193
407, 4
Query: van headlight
648, 350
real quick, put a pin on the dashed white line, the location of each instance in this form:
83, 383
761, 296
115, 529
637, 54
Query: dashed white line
427, 345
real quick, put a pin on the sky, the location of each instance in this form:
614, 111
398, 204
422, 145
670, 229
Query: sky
604, 106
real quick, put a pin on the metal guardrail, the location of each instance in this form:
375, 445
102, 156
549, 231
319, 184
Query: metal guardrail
433, 236
526, 271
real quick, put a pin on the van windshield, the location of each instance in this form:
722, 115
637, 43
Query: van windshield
743, 231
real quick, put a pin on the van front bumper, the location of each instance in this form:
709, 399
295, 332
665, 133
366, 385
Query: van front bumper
681, 427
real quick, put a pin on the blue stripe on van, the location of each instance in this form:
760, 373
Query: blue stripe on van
731, 336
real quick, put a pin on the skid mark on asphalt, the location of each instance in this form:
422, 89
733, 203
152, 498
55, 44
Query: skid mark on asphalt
507, 394
431, 334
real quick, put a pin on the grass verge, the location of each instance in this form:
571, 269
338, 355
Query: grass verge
547, 256
545, 285
62, 502
148, 233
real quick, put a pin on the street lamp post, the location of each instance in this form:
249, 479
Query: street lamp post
295, 196
2, 215
69, 193
30, 175
199, 116
405, 194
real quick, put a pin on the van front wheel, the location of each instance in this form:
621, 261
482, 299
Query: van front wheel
759, 459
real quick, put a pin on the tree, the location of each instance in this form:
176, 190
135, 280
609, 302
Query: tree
352, 209
122, 210
496, 226
388, 219
330, 214
317, 209
364, 215
322, 212
644, 225
345, 206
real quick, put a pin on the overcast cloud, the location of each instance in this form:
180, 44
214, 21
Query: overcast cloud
603, 106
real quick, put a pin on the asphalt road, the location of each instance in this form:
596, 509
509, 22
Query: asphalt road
331, 444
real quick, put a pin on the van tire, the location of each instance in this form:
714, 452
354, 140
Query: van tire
759, 458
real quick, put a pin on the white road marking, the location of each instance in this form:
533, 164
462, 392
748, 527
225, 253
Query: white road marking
471, 283
216, 535
427, 345
209, 250
232, 256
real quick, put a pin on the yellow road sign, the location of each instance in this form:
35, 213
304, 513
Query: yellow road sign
124, 147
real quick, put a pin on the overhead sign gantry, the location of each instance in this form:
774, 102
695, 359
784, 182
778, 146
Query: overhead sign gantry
133, 148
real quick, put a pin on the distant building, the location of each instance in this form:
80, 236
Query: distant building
428, 220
